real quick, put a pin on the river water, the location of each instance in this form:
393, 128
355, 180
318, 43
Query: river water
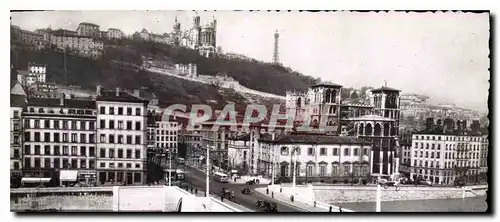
473, 204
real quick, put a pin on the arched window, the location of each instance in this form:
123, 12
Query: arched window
378, 130
327, 96
360, 130
334, 96
368, 129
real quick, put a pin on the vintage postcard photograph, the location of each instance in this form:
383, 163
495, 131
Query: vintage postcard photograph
249, 111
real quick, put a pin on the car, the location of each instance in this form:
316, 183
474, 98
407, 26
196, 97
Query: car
250, 182
226, 193
459, 183
246, 191
425, 182
387, 183
267, 206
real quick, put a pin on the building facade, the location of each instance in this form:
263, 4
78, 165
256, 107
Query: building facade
88, 30
122, 132
166, 136
319, 157
59, 134
17, 104
115, 33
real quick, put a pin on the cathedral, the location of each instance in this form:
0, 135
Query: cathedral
198, 37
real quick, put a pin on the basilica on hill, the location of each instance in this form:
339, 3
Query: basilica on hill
198, 37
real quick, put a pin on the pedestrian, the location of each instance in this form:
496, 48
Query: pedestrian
196, 190
340, 209
272, 194
330, 209
281, 189
221, 198
314, 203
267, 190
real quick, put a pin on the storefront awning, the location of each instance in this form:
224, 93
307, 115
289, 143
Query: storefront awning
34, 180
68, 175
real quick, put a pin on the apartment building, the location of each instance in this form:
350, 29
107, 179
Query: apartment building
36, 73
115, 33
122, 131
320, 157
17, 103
88, 29
166, 136
59, 134
83, 45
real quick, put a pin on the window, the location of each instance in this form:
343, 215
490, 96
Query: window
16, 114
310, 169
120, 110
347, 169
46, 124
111, 153
438, 155
137, 139
284, 151
129, 125
83, 151
421, 153
322, 151
65, 150
439, 147
83, 164
102, 165
120, 165
91, 138
103, 138
37, 124
426, 146
73, 137
111, 110
138, 166
37, 149
37, 137
129, 165
120, 139
416, 154
432, 154
83, 138
120, 124
432, 146
129, 111
27, 149
102, 153
322, 170
73, 125
91, 125
46, 163
356, 152
37, 162
46, 150
102, 124
111, 138
46, 137
111, 124
129, 154
310, 151
138, 111
27, 123
57, 150
346, 151
102, 110
137, 154
335, 170
74, 150
65, 124
120, 153
137, 125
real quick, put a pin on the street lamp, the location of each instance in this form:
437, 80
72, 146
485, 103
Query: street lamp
294, 165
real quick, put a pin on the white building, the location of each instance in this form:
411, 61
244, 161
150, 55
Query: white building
115, 33
319, 157
122, 132
446, 157
166, 135
35, 74
59, 134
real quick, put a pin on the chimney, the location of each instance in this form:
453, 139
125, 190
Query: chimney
117, 91
137, 93
61, 100
98, 90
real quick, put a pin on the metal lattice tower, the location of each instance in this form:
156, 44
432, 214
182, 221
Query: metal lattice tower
276, 58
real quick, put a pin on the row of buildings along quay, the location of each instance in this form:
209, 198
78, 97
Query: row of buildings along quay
112, 137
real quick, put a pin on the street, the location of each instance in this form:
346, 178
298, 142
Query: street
197, 178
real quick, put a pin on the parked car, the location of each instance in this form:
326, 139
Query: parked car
252, 182
246, 191
425, 182
387, 183
226, 193
267, 206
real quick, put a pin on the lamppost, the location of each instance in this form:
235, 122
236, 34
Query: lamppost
294, 166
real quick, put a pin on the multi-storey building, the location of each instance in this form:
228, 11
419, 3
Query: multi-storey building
30, 38
88, 30
17, 103
115, 33
122, 132
319, 157
59, 134
36, 73
166, 135
83, 45
444, 157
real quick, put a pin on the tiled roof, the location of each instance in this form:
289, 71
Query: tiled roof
110, 95
385, 88
17, 100
69, 103
316, 139
326, 85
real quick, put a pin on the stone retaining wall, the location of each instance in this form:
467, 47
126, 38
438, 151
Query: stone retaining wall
68, 203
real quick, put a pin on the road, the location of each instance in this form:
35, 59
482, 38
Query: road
197, 179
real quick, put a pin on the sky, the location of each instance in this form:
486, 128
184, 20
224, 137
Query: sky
441, 55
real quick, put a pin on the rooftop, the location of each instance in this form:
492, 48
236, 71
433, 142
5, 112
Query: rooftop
326, 84
311, 138
89, 24
17, 100
372, 117
385, 88
110, 95
68, 103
